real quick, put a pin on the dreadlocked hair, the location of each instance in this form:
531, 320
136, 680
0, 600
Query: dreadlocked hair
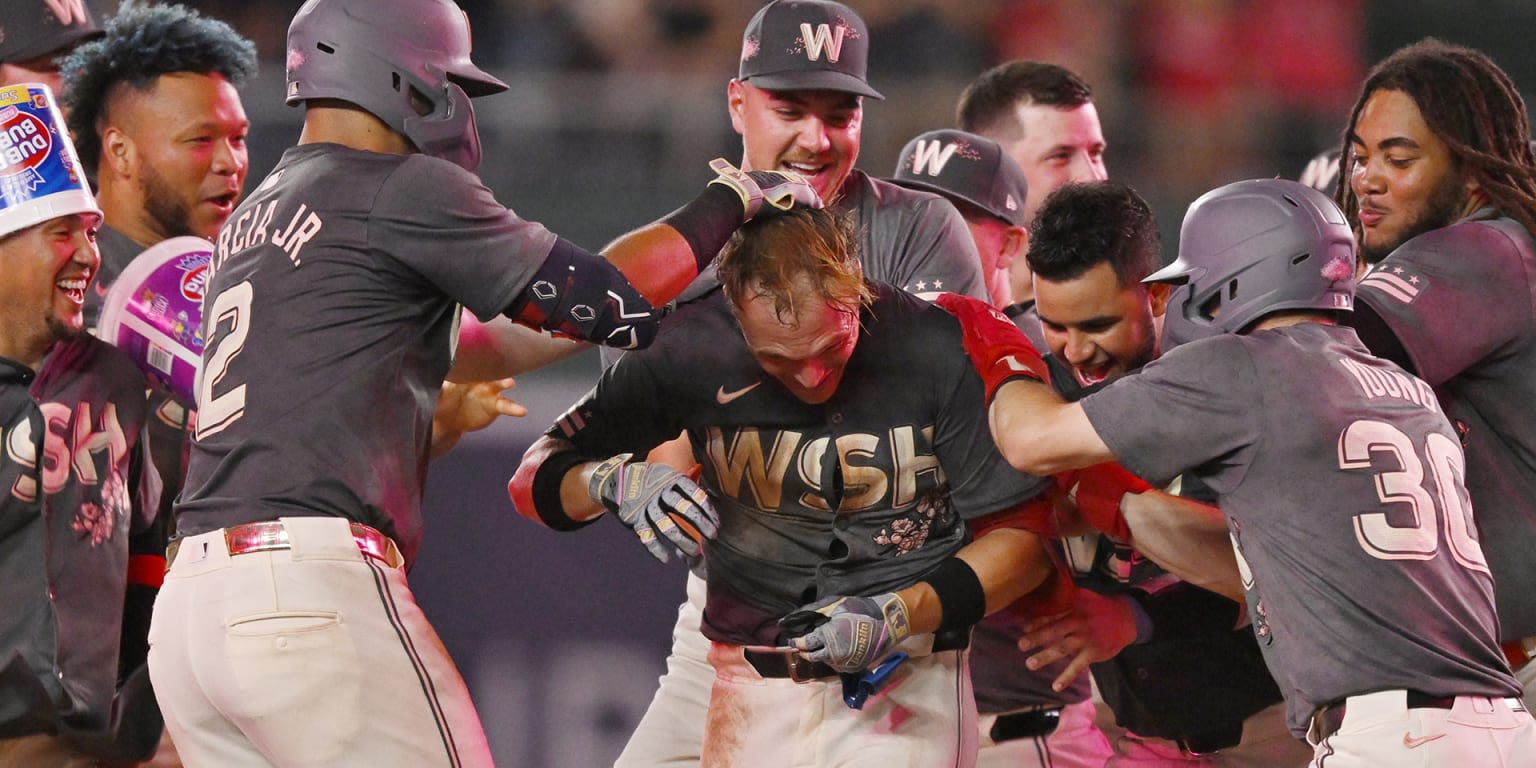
1472, 106
142, 43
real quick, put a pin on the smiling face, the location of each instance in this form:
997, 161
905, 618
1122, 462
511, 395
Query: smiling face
1098, 327
806, 353
1055, 145
177, 157
47, 268
1403, 175
813, 133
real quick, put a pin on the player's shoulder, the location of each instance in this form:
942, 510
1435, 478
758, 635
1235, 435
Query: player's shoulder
902, 315
888, 199
1487, 234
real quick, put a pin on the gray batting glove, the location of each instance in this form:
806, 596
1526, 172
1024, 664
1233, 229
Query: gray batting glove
659, 502
859, 631
781, 190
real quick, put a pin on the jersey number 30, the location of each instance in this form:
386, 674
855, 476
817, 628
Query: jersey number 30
1441, 502
217, 411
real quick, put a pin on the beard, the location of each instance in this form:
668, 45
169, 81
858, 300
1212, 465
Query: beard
1442, 209
169, 214
61, 331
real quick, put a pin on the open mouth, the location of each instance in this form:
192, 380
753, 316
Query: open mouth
1091, 376
73, 288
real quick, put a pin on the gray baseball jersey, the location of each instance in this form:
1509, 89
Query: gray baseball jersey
74, 484
330, 318
1341, 481
859, 495
1462, 303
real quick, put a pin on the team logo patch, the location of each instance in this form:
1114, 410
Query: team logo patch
1396, 281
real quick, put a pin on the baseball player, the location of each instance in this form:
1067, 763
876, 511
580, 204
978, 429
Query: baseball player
1044, 118
832, 476
1339, 476
1023, 721
35, 33
797, 102
1092, 246
157, 76
75, 471
329, 322
1442, 194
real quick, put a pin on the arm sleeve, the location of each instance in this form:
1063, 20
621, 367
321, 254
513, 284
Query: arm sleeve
1194, 407
466, 243
935, 253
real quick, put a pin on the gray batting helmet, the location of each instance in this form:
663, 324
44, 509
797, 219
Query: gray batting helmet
376, 53
1254, 247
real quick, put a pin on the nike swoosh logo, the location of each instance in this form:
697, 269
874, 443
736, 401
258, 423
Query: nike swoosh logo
1411, 742
724, 398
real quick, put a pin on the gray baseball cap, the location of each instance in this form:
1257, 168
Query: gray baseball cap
966, 167
807, 45
32, 28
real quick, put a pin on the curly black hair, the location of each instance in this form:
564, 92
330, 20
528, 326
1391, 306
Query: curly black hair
141, 43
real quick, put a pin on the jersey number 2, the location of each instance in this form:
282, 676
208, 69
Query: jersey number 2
1443, 498
217, 411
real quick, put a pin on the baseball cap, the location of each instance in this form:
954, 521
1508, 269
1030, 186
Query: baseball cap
32, 28
967, 167
40, 175
807, 45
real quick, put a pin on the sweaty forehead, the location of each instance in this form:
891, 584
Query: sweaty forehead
1095, 297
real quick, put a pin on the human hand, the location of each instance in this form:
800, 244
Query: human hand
468, 407
781, 190
999, 351
858, 632
1094, 629
658, 502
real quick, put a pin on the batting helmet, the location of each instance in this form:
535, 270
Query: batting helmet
1255, 247
404, 61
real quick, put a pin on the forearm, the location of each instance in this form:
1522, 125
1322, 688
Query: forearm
1008, 562
657, 259
1039, 433
1187, 538
501, 348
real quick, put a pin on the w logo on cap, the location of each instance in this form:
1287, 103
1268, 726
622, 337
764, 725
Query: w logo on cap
932, 156
68, 12
824, 36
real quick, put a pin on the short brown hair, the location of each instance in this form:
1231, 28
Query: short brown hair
777, 256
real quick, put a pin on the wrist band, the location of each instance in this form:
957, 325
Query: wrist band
962, 601
708, 222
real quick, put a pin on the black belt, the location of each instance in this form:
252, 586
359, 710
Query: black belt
1330, 716
787, 664
1028, 724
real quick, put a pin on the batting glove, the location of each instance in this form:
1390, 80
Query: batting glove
999, 351
659, 502
781, 190
859, 631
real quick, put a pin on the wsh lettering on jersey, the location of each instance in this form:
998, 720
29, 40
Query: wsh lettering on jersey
270, 221
761, 468
77, 446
